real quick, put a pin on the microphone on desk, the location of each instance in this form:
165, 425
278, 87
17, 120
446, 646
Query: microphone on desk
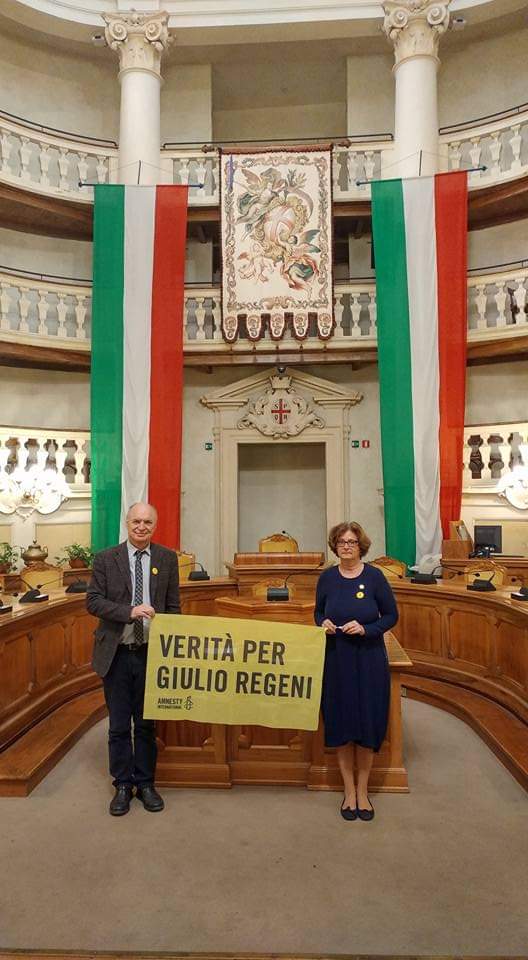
521, 594
33, 594
481, 586
77, 586
200, 574
430, 578
278, 594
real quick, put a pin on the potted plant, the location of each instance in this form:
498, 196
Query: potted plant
77, 556
8, 557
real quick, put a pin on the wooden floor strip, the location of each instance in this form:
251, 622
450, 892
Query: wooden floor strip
103, 955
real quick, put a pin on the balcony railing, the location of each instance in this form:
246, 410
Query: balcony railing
54, 312
491, 451
498, 143
67, 451
51, 163
56, 163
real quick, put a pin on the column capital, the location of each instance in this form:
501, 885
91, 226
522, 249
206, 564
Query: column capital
415, 27
139, 39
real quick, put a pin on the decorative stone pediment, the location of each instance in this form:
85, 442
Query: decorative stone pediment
281, 405
280, 411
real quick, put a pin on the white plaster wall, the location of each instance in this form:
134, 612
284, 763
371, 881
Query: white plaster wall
370, 94
497, 393
482, 77
73, 258
360, 257
48, 255
282, 487
44, 399
275, 123
270, 100
75, 90
186, 102
501, 244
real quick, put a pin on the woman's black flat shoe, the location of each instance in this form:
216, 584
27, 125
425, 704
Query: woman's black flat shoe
366, 814
347, 813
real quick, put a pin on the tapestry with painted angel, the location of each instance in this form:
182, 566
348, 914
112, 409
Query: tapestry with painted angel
276, 244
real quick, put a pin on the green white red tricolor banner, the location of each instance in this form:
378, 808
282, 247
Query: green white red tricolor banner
420, 247
137, 357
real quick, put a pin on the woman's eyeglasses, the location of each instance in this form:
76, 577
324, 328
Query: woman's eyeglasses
347, 544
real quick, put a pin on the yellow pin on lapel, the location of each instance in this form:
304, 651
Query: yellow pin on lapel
154, 571
360, 594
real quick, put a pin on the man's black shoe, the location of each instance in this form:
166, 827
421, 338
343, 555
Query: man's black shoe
150, 798
120, 803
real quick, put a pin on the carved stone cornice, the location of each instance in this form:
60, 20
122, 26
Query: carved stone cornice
415, 27
139, 39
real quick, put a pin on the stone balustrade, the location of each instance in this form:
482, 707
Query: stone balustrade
491, 451
43, 311
66, 451
501, 145
53, 163
51, 312
351, 165
48, 163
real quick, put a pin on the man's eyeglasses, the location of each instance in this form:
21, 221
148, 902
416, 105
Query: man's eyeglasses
346, 544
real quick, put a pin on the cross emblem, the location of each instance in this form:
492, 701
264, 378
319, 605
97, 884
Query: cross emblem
280, 412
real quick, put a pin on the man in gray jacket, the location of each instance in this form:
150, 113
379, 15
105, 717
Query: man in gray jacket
130, 584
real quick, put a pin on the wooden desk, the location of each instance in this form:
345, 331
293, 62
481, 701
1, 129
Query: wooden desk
470, 643
517, 568
476, 640
222, 755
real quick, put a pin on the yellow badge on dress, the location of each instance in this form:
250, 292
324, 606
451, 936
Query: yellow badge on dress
360, 594
154, 571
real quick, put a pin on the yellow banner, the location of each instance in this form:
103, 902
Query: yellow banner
217, 670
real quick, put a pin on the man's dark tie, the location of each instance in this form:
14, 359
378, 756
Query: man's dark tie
138, 596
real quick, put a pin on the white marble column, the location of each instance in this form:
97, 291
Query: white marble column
415, 28
140, 41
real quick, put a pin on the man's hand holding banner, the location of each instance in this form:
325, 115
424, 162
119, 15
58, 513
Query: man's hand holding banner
217, 670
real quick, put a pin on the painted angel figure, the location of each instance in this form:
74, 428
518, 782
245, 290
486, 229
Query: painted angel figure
257, 266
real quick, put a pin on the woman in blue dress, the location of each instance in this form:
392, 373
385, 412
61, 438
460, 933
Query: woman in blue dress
355, 605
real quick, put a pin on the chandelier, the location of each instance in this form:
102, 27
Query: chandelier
36, 488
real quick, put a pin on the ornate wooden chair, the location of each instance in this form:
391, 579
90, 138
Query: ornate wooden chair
186, 562
485, 569
278, 543
393, 569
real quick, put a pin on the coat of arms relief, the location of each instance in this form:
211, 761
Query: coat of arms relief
280, 411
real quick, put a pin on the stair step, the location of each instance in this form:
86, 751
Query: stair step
27, 761
503, 732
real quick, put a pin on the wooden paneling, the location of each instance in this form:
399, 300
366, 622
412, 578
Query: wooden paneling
45, 654
511, 656
15, 670
421, 627
49, 652
469, 638
82, 629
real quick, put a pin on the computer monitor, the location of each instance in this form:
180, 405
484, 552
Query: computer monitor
488, 536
